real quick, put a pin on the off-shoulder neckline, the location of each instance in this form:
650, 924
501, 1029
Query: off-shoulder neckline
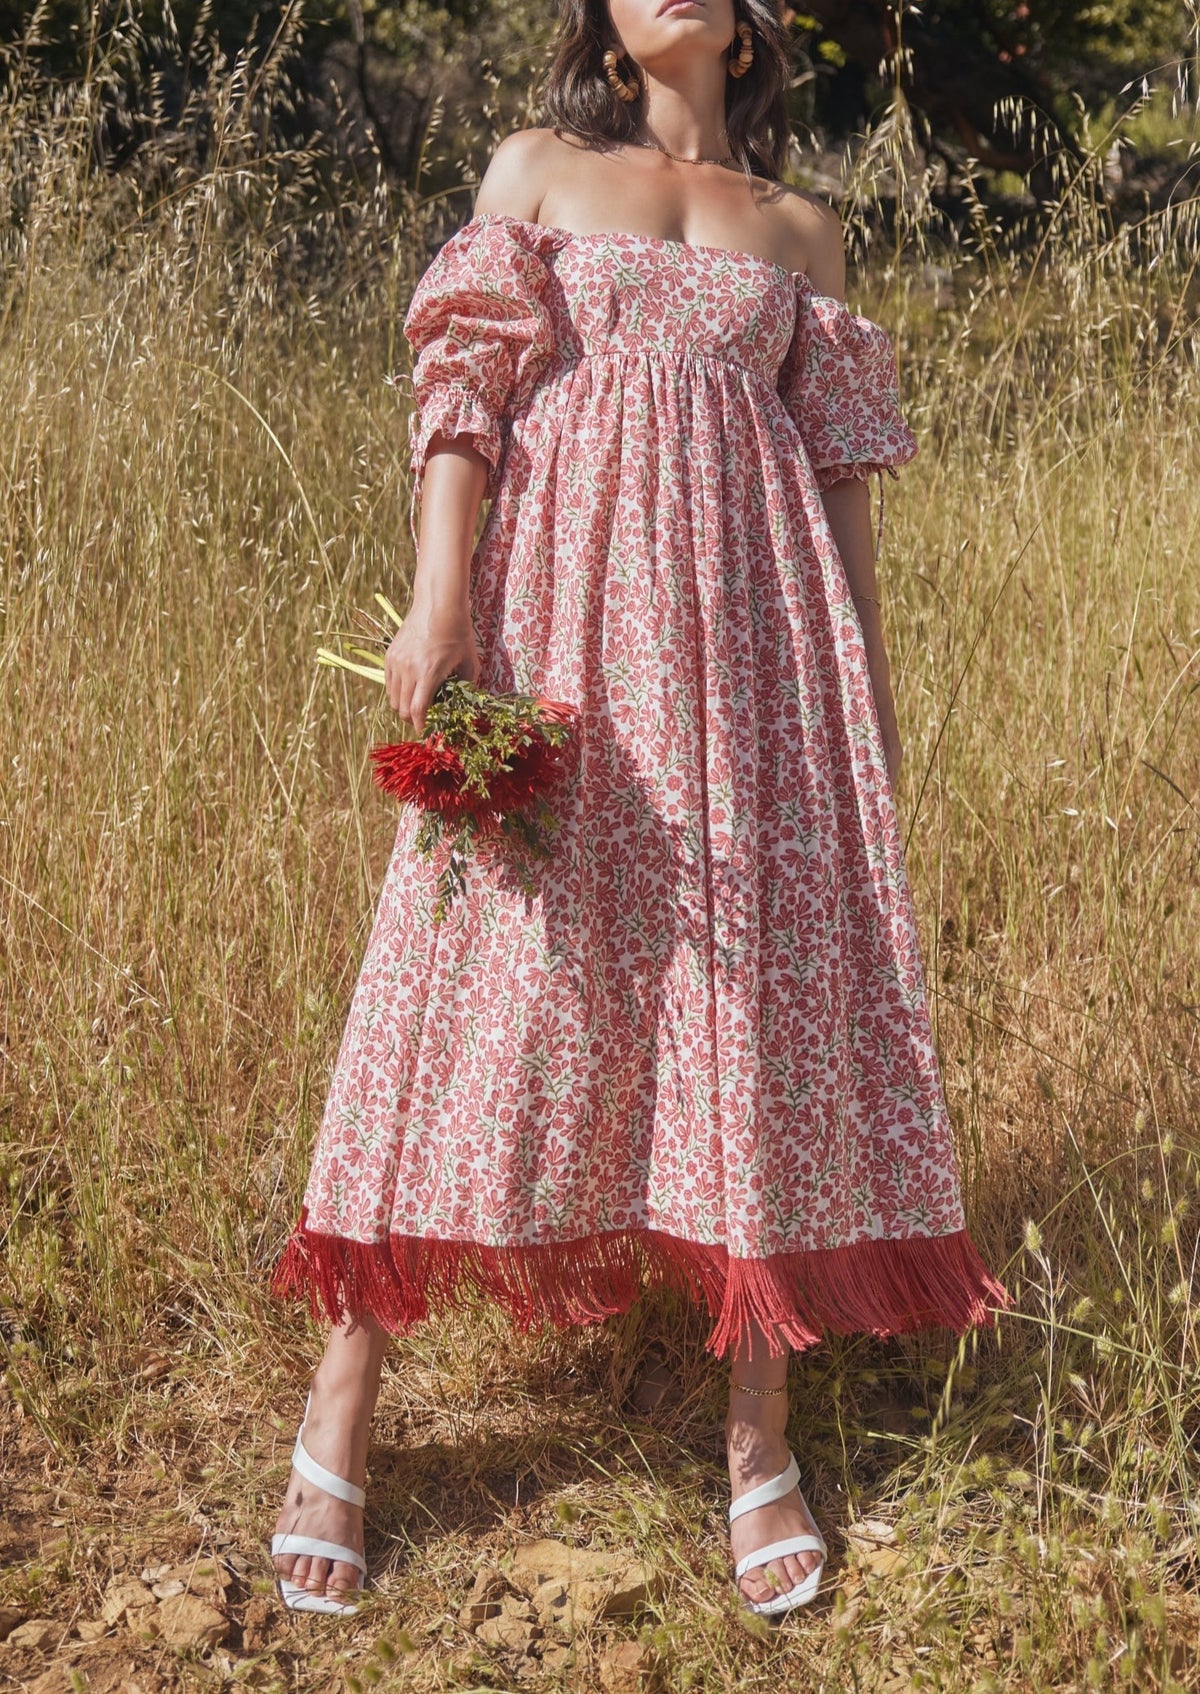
665, 241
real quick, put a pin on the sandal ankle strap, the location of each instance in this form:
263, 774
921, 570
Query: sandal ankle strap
775, 1489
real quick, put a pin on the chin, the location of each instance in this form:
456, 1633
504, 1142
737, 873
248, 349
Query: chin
679, 26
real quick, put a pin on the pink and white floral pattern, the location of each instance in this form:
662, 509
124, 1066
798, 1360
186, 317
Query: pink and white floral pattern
702, 1051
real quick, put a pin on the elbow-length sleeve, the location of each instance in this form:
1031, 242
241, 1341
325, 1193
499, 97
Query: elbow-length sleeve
838, 384
481, 333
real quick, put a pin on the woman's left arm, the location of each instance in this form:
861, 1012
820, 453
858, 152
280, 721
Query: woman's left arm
848, 507
847, 501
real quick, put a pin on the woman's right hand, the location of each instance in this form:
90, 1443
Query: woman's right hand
432, 643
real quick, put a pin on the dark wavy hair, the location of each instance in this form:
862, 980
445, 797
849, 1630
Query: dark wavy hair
576, 96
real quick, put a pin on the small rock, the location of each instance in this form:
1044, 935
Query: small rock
558, 1655
38, 1634
550, 1600
208, 1570
620, 1595
122, 1597
624, 1667
56, 1680
94, 1630
884, 1561
513, 1606
483, 1600
535, 1561
256, 1623
868, 1533
505, 1631
10, 1617
599, 1584
103, 1675
628, 1591
155, 1573
845, 1618
850, 1599
206, 1577
185, 1621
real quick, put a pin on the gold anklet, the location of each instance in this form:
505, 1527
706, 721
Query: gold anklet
746, 1390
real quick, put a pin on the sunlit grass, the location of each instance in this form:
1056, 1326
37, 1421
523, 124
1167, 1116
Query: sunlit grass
202, 474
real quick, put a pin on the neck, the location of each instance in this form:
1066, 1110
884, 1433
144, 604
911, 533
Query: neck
685, 113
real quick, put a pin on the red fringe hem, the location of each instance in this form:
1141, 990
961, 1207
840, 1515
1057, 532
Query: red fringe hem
874, 1287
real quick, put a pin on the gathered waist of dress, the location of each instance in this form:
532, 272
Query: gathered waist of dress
663, 355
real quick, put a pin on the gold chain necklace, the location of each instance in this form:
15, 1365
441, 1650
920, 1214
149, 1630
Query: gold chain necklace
683, 159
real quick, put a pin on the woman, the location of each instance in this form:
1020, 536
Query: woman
701, 1054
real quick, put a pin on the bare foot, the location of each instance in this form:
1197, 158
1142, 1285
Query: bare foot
757, 1451
336, 1433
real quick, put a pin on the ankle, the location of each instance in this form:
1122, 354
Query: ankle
751, 1436
345, 1385
763, 1412
337, 1428
748, 1443
340, 1395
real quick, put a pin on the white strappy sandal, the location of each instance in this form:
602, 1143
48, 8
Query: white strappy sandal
804, 1591
295, 1596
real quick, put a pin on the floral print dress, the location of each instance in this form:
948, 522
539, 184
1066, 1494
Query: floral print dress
700, 1054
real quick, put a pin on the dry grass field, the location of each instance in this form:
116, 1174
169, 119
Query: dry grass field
202, 475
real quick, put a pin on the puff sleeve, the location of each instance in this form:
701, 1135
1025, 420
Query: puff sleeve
838, 384
481, 334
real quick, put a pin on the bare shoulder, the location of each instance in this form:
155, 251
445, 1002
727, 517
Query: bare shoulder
518, 173
816, 239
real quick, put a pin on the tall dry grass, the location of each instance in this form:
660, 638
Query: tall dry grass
203, 474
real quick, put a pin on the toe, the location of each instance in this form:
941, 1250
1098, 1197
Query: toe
300, 1569
754, 1588
318, 1576
779, 1570
344, 1579
798, 1566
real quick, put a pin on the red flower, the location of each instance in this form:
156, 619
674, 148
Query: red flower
422, 773
531, 769
429, 773
558, 710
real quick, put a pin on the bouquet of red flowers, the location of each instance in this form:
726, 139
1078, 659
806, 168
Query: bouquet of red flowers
479, 771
